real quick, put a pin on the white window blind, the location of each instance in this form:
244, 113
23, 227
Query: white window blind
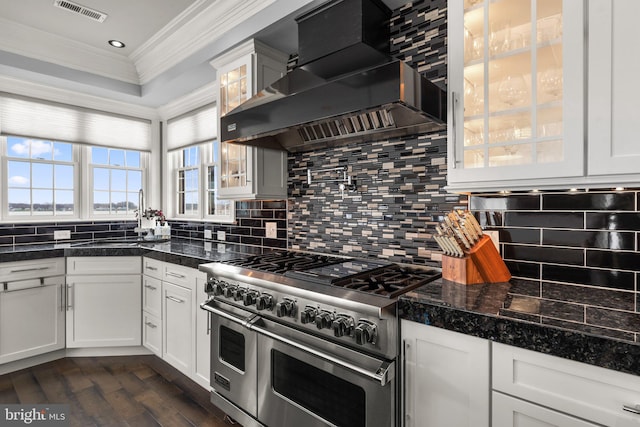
36, 118
192, 128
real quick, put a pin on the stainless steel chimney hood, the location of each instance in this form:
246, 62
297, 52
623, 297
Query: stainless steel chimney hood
347, 92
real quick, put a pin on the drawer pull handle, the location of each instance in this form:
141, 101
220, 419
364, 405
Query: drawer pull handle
151, 325
174, 299
635, 409
148, 267
22, 270
172, 274
153, 288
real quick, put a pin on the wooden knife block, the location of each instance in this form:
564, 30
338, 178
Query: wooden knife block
481, 264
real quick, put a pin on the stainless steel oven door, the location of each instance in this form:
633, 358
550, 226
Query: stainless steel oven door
307, 381
233, 356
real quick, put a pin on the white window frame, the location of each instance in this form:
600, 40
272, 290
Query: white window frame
205, 161
77, 189
231, 217
88, 192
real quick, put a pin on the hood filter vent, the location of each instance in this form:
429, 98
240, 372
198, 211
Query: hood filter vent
81, 10
357, 124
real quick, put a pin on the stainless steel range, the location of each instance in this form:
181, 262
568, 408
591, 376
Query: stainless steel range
306, 339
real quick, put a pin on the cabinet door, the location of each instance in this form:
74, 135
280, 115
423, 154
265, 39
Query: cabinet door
202, 372
152, 333
445, 379
104, 311
152, 296
178, 326
614, 67
516, 95
31, 318
511, 412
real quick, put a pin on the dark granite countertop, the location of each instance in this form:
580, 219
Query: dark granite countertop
187, 252
479, 310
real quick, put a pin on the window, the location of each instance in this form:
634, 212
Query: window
40, 177
196, 185
216, 209
188, 185
116, 179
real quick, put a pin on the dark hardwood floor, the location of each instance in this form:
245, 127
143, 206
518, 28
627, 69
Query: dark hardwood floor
132, 391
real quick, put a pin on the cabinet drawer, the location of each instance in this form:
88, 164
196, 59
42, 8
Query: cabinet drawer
32, 269
152, 333
152, 296
104, 265
585, 391
152, 267
180, 275
511, 412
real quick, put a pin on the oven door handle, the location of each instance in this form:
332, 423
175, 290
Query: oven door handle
383, 374
243, 321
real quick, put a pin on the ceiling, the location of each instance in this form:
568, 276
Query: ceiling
169, 43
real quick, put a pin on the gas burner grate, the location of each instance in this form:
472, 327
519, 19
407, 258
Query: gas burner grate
391, 281
281, 262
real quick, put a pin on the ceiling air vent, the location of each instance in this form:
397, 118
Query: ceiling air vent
79, 9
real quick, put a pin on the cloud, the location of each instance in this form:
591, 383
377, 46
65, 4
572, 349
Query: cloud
37, 147
18, 180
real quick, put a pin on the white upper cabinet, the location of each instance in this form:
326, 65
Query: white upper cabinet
516, 93
249, 172
614, 93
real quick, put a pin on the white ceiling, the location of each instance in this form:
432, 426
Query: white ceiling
169, 43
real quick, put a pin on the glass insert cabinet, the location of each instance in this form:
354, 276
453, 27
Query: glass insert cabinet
516, 92
248, 172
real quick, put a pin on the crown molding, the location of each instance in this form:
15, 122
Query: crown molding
37, 44
196, 99
249, 47
200, 25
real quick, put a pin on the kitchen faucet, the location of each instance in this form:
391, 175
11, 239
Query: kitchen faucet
140, 212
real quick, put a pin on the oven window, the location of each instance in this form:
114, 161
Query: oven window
330, 397
232, 347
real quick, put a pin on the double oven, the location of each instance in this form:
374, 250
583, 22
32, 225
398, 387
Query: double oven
292, 352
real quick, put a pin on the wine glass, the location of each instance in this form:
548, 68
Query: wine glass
551, 82
513, 90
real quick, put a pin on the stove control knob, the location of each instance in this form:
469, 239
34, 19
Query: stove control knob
238, 294
324, 319
265, 302
308, 315
218, 288
288, 308
229, 290
366, 332
343, 325
210, 286
249, 297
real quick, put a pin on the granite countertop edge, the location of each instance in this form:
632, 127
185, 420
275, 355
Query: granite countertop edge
605, 352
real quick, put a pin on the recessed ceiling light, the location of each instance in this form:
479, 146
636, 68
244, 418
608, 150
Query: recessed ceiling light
116, 43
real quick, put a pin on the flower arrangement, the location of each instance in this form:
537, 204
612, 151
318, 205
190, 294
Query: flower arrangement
151, 213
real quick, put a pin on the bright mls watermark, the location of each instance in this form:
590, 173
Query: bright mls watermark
34, 415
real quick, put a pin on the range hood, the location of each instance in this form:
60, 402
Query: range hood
345, 89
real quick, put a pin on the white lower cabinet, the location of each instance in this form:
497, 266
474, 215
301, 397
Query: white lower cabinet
103, 308
202, 370
31, 317
152, 333
445, 378
573, 393
178, 326
509, 411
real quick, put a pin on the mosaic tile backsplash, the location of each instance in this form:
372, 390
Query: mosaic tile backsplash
575, 257
399, 195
